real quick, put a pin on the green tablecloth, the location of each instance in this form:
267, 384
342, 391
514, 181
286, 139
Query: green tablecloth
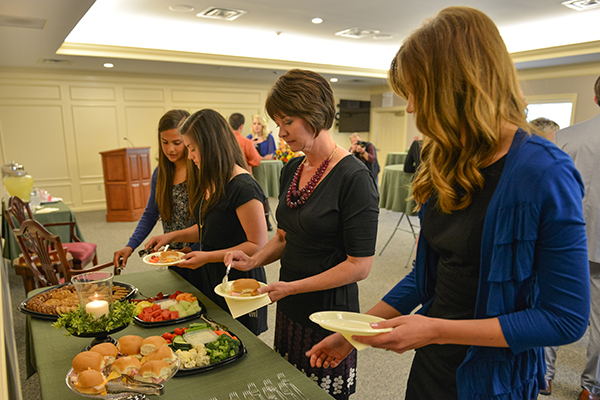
267, 175
51, 353
63, 214
396, 189
395, 158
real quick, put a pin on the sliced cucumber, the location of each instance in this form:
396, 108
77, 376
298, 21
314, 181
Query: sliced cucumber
180, 343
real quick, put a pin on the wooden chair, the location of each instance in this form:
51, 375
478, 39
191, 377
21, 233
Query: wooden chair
45, 256
83, 253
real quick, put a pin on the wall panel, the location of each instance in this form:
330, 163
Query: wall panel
95, 130
34, 137
30, 92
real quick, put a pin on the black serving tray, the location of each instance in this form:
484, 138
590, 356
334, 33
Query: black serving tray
53, 317
187, 318
205, 368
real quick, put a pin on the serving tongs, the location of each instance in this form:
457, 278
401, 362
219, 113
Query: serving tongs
125, 383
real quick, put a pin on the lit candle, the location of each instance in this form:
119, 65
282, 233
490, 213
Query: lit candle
97, 307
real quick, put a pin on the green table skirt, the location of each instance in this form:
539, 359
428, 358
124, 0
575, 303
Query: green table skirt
51, 353
395, 158
267, 176
395, 190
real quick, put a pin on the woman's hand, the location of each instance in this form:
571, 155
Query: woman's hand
409, 332
277, 290
122, 256
329, 352
156, 242
239, 260
193, 260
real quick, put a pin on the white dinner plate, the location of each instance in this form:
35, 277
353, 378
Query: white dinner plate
348, 323
52, 200
224, 293
146, 259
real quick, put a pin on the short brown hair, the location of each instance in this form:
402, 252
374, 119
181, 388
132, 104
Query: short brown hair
304, 94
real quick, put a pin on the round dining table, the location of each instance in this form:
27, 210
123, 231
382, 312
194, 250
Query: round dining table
395, 158
267, 175
396, 190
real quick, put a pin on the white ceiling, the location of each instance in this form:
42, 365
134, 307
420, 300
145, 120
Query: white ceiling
144, 36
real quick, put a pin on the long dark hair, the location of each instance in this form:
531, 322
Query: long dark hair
166, 169
219, 153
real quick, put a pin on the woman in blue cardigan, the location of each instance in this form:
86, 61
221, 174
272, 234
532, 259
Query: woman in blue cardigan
168, 200
501, 268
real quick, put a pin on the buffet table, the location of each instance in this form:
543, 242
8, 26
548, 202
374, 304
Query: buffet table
50, 352
267, 175
50, 212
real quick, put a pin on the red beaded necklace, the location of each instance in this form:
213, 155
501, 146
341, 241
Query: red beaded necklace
303, 193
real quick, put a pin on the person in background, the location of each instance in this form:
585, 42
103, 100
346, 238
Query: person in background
365, 152
265, 145
262, 139
582, 142
545, 127
236, 121
413, 157
168, 200
227, 204
327, 214
501, 268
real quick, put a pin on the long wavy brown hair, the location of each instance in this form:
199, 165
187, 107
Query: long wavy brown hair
464, 88
219, 153
166, 169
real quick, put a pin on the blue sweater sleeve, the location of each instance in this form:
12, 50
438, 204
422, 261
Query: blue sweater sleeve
149, 217
560, 313
270, 146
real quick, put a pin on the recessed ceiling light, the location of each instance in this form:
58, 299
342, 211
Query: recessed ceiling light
334, 80
181, 8
108, 65
316, 20
383, 36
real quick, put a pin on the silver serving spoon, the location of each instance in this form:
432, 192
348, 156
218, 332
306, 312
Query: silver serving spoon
225, 284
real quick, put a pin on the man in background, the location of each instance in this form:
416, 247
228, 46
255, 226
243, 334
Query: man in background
546, 127
237, 120
365, 151
582, 142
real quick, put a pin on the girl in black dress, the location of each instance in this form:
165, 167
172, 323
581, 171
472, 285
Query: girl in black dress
327, 216
227, 204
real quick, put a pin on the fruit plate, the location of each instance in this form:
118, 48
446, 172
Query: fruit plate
145, 324
131, 291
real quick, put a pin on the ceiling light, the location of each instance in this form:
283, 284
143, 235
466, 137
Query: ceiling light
581, 5
356, 33
181, 8
334, 80
221, 13
316, 20
108, 65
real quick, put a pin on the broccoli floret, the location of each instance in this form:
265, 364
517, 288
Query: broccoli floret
212, 345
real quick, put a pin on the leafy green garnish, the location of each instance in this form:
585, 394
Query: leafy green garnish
79, 322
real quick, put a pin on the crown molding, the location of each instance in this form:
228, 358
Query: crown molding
95, 50
568, 50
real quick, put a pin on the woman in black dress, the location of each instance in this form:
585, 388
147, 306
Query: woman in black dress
327, 216
227, 204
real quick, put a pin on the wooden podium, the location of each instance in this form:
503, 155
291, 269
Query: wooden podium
127, 176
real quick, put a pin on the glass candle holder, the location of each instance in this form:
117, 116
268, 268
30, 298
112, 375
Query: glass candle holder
94, 290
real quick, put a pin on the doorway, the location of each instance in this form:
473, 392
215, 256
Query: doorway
388, 125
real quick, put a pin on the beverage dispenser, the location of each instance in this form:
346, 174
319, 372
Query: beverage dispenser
16, 181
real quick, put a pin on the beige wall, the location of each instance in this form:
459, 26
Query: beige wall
55, 124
